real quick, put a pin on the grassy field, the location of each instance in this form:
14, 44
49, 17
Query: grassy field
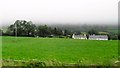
60, 50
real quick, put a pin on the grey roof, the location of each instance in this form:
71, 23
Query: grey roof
79, 36
98, 36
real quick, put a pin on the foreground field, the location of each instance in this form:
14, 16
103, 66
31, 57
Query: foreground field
66, 51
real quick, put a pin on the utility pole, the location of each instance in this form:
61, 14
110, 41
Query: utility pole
16, 30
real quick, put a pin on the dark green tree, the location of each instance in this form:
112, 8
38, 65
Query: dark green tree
118, 36
21, 28
57, 31
44, 30
92, 31
1, 32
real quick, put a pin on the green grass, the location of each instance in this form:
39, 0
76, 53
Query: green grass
85, 52
0, 51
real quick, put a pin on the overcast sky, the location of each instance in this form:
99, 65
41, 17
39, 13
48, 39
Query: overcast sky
59, 11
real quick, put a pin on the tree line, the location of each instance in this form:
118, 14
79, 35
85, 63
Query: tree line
28, 29
24, 28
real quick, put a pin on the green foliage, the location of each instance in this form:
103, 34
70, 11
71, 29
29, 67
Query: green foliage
112, 36
21, 28
119, 36
1, 32
24, 28
43, 31
92, 31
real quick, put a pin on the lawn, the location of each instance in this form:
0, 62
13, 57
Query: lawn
66, 51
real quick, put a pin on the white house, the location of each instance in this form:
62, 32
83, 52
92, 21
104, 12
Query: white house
98, 37
79, 36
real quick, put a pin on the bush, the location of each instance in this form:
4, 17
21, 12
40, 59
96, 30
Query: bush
62, 36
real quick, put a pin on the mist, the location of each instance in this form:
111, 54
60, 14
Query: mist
60, 11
